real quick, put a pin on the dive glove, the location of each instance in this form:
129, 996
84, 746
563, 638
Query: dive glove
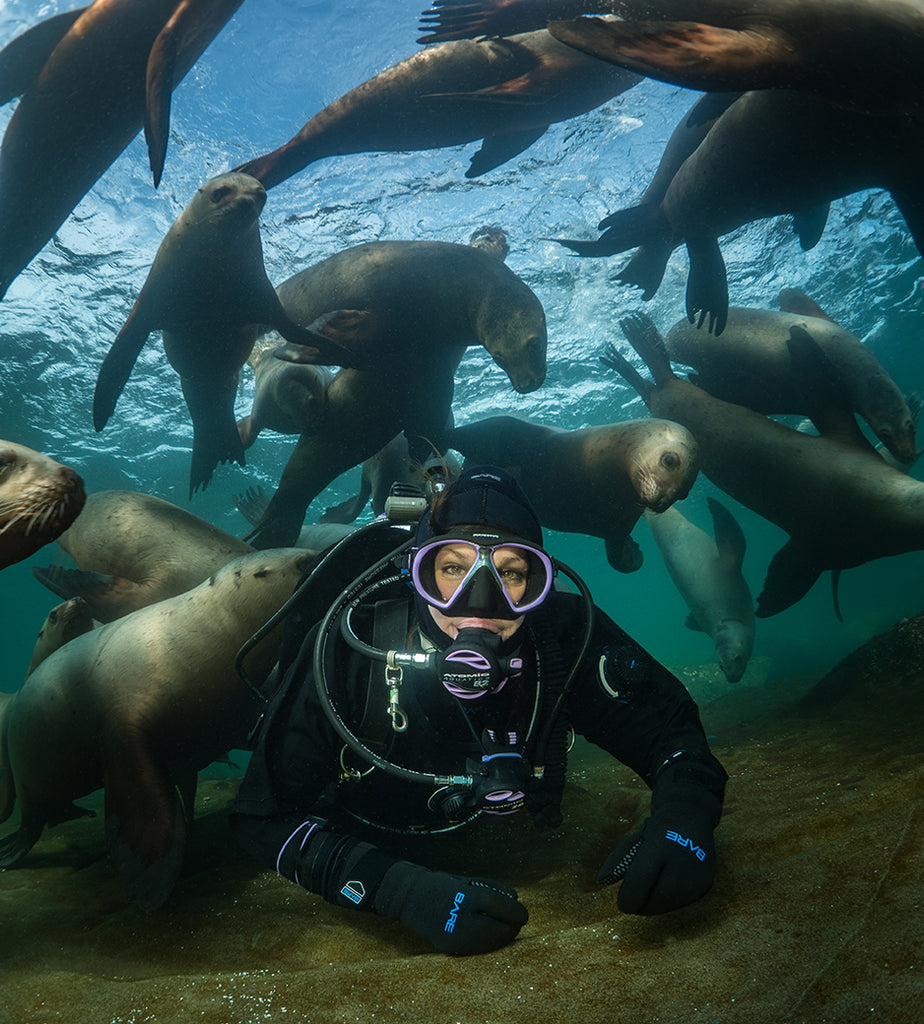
670, 861
459, 915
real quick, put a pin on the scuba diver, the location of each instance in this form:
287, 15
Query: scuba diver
443, 683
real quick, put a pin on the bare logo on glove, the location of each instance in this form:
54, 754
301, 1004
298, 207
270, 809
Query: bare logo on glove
355, 891
454, 913
697, 851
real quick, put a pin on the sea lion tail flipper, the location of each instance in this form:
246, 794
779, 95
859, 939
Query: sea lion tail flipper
707, 285
117, 367
809, 224
23, 58
687, 53
647, 341
252, 504
789, 578
215, 434
729, 537
498, 149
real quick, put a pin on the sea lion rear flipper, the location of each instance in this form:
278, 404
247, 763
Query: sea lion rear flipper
107, 597
809, 224
466, 19
23, 58
252, 504
648, 342
117, 367
710, 107
789, 578
17, 844
729, 537
623, 554
498, 149
687, 53
215, 434
622, 230
347, 511
707, 285
646, 268
334, 339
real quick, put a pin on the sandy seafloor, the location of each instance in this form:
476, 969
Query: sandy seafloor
815, 916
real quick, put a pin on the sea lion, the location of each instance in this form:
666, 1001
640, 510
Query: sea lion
504, 91
136, 549
288, 397
467, 19
751, 364
39, 499
428, 302
841, 505
88, 79
865, 54
207, 290
252, 504
65, 621
772, 152
138, 706
707, 573
596, 480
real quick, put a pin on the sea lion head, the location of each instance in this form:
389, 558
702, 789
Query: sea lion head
230, 201
39, 499
510, 323
663, 465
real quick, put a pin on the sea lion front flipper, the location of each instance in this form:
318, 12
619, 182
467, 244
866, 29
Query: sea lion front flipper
146, 821
794, 300
159, 82
17, 844
498, 149
692, 623
466, 19
789, 578
23, 58
809, 224
910, 203
623, 553
686, 53
347, 511
707, 285
335, 338
117, 366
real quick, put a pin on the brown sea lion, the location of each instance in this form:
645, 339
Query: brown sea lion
88, 80
504, 91
138, 706
841, 505
751, 364
429, 301
207, 290
707, 574
135, 549
288, 397
595, 481
39, 499
860, 53
772, 152
65, 621
467, 19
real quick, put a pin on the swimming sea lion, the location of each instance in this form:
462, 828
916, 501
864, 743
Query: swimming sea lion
860, 53
65, 621
136, 549
707, 573
39, 499
841, 505
429, 301
88, 79
596, 480
252, 504
751, 364
138, 706
467, 19
772, 152
207, 290
288, 397
504, 91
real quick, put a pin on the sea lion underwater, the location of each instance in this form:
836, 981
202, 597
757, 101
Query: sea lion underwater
134, 549
138, 706
707, 574
751, 364
427, 302
39, 500
88, 79
841, 505
865, 54
595, 481
504, 91
207, 290
771, 152
69, 619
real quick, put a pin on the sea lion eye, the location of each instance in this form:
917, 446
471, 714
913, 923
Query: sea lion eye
670, 460
219, 193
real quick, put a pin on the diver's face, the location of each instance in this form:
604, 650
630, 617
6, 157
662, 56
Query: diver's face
453, 562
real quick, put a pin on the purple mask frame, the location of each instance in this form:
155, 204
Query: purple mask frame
484, 559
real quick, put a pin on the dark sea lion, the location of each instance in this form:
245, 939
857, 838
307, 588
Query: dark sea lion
504, 91
466, 19
841, 506
135, 549
138, 706
39, 499
772, 152
428, 301
595, 481
707, 573
207, 290
88, 79
860, 53
288, 397
253, 503
751, 364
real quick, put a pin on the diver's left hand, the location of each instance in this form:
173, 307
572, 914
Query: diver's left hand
667, 864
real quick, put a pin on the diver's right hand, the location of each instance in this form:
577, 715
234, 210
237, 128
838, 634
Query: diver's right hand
459, 915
